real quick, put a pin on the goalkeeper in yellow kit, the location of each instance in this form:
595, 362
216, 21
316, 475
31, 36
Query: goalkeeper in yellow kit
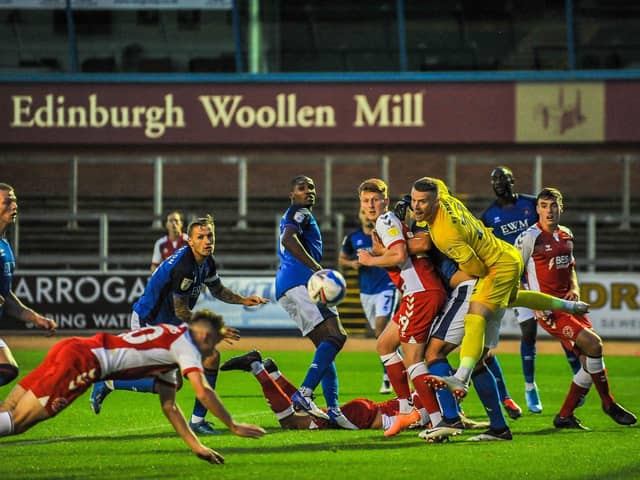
497, 265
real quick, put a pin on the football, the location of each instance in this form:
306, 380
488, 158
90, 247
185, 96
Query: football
327, 287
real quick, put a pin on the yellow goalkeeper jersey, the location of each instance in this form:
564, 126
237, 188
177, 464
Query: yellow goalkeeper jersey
460, 235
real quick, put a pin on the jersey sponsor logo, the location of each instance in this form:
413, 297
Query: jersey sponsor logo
514, 227
563, 261
393, 231
185, 284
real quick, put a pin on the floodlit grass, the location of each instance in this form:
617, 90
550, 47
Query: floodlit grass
132, 439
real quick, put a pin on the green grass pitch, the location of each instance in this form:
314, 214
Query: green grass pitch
132, 439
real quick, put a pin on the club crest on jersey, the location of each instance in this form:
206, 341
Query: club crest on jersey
393, 231
299, 216
186, 283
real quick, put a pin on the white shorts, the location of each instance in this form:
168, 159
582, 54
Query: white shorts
523, 314
449, 324
306, 314
377, 305
3, 344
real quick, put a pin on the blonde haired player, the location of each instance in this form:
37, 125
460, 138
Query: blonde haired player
423, 296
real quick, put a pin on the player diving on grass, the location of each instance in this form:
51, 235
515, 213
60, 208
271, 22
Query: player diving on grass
497, 265
165, 352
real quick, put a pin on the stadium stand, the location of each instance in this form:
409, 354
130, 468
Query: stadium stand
323, 36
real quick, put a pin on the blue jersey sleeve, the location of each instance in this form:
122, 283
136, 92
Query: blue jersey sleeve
347, 246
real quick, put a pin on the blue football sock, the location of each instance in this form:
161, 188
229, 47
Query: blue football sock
141, 385
496, 369
574, 361
330, 385
324, 356
485, 384
528, 356
447, 401
199, 410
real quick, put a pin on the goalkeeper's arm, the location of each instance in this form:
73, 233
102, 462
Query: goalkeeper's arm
467, 260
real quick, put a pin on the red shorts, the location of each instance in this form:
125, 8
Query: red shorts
67, 371
416, 313
565, 326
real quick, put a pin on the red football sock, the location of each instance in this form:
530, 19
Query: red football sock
399, 381
576, 392
276, 398
601, 382
286, 386
427, 395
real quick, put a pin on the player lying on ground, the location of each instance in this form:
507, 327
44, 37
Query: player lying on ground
163, 351
361, 412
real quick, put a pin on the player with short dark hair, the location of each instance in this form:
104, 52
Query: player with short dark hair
497, 265
547, 252
300, 254
165, 351
509, 215
10, 304
169, 297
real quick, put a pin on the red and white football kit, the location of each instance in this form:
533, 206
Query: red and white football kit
164, 248
423, 294
549, 263
74, 364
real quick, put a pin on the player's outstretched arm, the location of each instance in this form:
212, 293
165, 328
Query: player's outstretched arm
227, 295
15, 308
175, 416
209, 398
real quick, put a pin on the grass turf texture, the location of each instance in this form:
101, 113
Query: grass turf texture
132, 439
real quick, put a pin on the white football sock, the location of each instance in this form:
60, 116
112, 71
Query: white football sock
6, 424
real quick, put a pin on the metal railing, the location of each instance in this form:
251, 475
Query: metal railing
104, 260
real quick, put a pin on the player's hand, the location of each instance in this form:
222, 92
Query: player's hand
254, 300
47, 324
230, 334
377, 247
572, 295
247, 430
364, 257
209, 455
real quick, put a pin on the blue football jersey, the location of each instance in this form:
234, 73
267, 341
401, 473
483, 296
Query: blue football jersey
178, 275
510, 221
291, 272
8, 265
372, 280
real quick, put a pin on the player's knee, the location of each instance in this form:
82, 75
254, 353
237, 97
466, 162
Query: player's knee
338, 339
8, 373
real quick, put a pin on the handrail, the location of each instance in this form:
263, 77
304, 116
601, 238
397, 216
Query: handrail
105, 260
